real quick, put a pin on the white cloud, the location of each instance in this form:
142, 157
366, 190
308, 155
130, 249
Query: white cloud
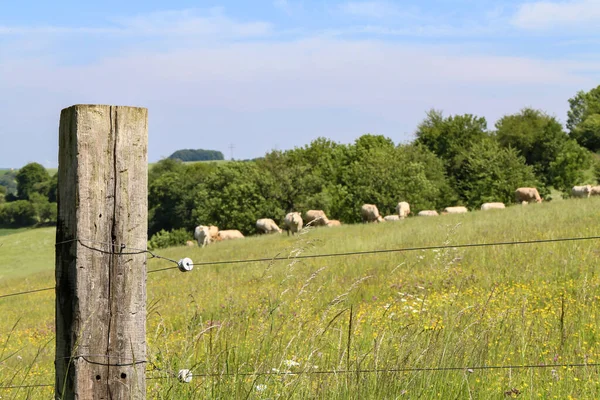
250, 91
181, 23
549, 14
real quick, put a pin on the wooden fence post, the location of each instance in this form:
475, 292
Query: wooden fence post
100, 262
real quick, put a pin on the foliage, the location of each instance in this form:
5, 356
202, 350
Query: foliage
18, 214
163, 239
569, 166
386, 175
587, 133
45, 211
32, 178
583, 120
449, 137
197, 155
234, 196
557, 161
494, 173
9, 181
3, 192
172, 190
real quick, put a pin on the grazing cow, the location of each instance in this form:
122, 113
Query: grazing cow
527, 194
581, 191
456, 210
230, 234
334, 222
214, 232
202, 235
392, 218
267, 225
428, 213
316, 218
293, 222
190, 243
595, 191
370, 213
492, 206
403, 209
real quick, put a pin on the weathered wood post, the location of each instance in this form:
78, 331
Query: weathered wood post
100, 274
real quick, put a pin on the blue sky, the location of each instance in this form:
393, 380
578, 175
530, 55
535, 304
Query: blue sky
278, 74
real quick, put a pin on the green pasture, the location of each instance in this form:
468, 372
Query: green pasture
269, 330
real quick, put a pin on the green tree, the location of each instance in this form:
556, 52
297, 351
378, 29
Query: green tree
234, 196
557, 160
569, 166
495, 172
31, 179
587, 133
9, 181
19, 213
583, 120
197, 155
386, 175
3, 192
448, 137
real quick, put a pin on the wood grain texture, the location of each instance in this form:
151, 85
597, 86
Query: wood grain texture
100, 287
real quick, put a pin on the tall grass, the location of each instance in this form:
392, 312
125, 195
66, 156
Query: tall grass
277, 330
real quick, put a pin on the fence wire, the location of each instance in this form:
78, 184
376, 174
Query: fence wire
469, 370
308, 256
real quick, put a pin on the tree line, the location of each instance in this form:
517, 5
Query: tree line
454, 160
28, 197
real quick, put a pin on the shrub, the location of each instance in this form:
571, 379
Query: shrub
162, 239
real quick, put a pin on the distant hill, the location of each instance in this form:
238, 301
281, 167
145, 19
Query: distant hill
197, 155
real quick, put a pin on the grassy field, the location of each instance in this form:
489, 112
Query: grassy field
383, 314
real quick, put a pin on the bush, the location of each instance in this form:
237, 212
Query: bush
197, 155
17, 214
162, 239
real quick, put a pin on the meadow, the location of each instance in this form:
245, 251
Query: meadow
353, 327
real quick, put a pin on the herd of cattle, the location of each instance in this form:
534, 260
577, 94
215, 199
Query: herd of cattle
293, 221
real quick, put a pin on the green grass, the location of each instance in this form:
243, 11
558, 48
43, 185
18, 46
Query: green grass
26, 251
501, 305
10, 231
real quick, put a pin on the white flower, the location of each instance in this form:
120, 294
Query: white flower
275, 370
403, 300
387, 306
261, 387
291, 363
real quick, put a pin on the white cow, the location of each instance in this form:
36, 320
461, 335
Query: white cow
230, 234
428, 213
403, 209
202, 235
370, 213
293, 222
527, 194
595, 191
581, 191
492, 206
316, 218
456, 210
392, 218
214, 232
267, 225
